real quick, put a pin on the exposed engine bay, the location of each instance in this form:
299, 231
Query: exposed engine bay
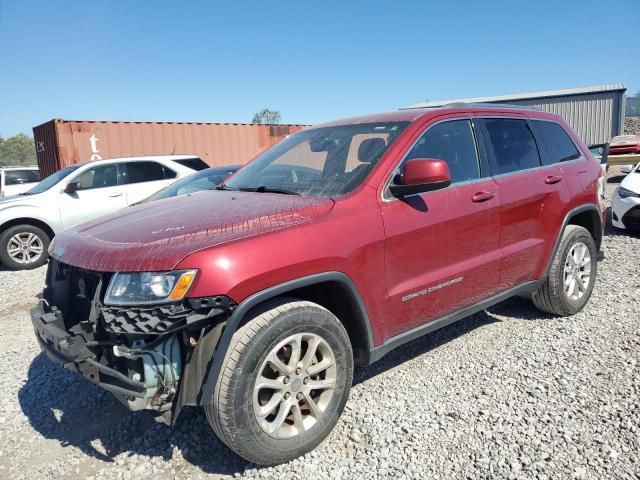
150, 357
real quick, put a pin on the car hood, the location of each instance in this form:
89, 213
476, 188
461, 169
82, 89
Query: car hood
19, 200
155, 236
632, 181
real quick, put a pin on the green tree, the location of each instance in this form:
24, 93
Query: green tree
267, 116
17, 150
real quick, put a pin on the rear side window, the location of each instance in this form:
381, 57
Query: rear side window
19, 177
453, 142
196, 164
514, 147
138, 172
557, 144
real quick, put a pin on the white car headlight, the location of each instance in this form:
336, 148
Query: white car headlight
144, 288
625, 192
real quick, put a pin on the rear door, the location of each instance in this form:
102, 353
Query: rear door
143, 178
533, 198
100, 193
442, 247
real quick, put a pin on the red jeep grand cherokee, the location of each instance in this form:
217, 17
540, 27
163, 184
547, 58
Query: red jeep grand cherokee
330, 249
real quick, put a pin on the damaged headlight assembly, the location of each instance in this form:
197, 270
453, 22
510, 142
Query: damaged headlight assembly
147, 288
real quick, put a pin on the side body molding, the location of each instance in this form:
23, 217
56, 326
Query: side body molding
206, 391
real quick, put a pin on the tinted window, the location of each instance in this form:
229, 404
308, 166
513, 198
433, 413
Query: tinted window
98, 177
514, 147
19, 177
453, 142
138, 172
193, 163
558, 145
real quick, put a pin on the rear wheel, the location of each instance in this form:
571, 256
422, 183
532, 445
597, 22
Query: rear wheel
572, 276
284, 382
23, 247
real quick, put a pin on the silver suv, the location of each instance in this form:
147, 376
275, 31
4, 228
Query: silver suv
75, 194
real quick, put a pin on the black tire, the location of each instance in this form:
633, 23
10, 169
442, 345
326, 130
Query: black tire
231, 411
552, 297
9, 233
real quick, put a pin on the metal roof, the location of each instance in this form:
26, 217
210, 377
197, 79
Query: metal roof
614, 87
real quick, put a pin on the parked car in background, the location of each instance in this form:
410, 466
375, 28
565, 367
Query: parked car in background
330, 249
624, 144
15, 180
75, 194
206, 179
625, 204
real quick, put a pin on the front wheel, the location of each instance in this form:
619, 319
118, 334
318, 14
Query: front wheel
572, 276
284, 382
23, 247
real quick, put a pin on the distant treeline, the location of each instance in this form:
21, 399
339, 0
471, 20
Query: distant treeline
17, 150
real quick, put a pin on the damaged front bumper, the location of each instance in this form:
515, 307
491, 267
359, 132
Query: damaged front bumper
151, 358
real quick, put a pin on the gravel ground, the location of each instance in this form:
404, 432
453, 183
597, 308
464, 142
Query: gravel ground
507, 393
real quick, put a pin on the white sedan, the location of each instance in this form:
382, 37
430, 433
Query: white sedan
75, 194
625, 204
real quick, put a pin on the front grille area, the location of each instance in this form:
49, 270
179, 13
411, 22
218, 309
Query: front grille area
72, 290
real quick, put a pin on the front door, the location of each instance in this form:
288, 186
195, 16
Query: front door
100, 193
442, 248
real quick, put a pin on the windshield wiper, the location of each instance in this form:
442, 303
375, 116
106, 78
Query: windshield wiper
263, 189
222, 186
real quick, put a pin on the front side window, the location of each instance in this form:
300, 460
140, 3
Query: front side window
327, 161
20, 177
138, 172
558, 145
101, 176
454, 142
514, 147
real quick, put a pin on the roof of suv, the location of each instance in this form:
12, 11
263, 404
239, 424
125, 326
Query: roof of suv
18, 167
412, 114
139, 157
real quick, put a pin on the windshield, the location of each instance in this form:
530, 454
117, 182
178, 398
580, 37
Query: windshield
203, 180
624, 138
326, 161
50, 181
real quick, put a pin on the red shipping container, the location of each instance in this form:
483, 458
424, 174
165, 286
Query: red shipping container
60, 143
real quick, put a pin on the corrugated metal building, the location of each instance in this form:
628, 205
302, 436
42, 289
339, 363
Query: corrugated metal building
60, 143
595, 113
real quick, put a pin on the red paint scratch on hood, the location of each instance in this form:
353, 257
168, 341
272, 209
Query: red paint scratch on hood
157, 235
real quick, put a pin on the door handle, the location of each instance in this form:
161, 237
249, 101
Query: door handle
551, 179
116, 194
482, 196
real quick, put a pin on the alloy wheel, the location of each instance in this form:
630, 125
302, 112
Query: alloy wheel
25, 247
577, 271
294, 385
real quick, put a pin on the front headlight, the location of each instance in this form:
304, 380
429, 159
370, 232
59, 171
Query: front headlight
143, 288
625, 192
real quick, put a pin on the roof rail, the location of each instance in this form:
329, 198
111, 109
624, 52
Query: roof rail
476, 104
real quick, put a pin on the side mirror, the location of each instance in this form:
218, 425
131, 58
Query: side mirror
421, 175
72, 187
626, 168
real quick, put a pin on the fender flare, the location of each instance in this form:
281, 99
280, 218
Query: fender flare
569, 215
234, 321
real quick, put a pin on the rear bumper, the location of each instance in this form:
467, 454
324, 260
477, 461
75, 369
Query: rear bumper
73, 352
